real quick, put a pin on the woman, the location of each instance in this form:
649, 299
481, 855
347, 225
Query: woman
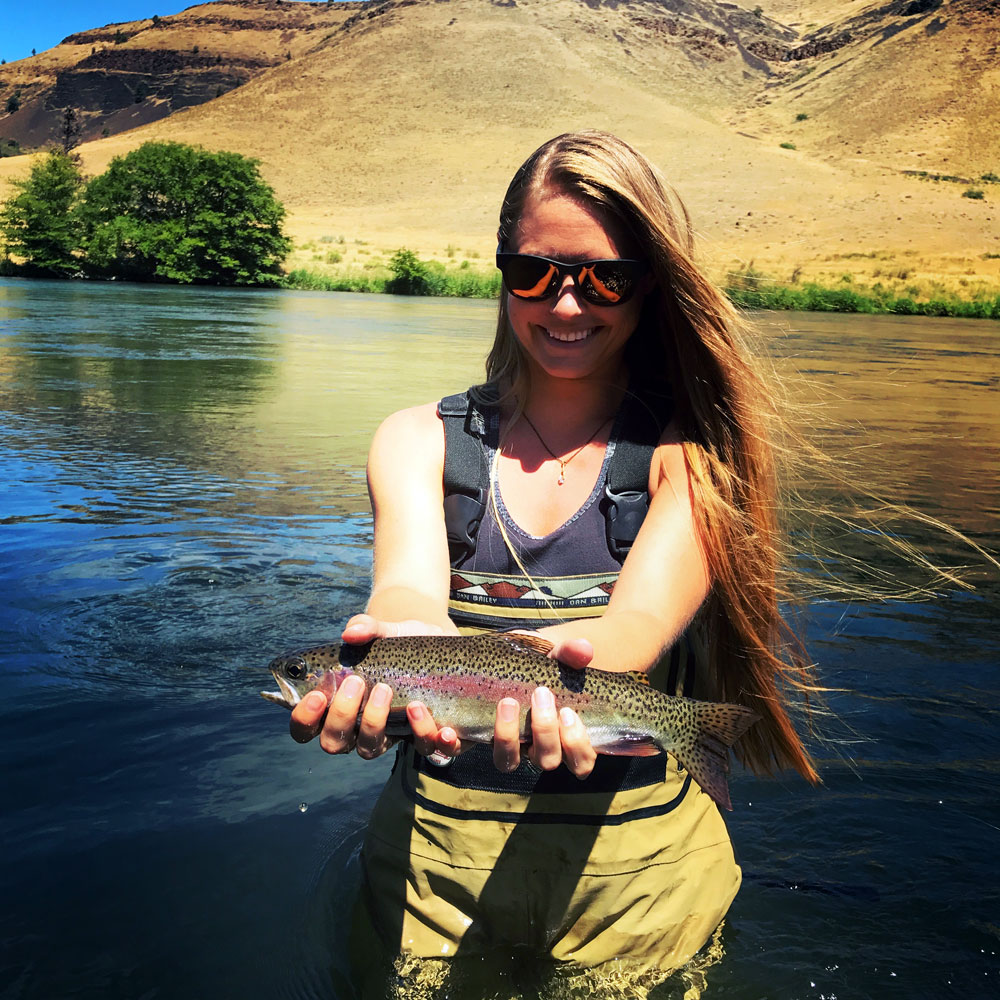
613, 353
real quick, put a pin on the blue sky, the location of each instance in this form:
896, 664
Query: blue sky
40, 24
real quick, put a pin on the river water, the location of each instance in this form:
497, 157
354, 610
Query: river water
182, 496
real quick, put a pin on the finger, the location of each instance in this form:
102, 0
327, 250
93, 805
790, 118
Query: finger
546, 746
342, 716
447, 749
575, 653
578, 755
425, 730
507, 735
360, 629
371, 739
307, 717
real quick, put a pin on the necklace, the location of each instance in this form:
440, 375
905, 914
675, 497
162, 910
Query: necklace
563, 462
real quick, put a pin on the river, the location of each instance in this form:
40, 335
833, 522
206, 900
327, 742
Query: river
182, 495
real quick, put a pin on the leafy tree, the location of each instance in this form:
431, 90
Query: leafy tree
14, 102
169, 211
39, 224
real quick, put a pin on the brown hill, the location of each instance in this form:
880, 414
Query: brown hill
399, 123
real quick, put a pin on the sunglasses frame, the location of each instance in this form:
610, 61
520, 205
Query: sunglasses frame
577, 271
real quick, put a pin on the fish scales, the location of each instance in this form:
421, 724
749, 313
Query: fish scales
461, 678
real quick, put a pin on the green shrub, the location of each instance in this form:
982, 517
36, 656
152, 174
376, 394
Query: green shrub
801, 116
787, 145
974, 193
990, 178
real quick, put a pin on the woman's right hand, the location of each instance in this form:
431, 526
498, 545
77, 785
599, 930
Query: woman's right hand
336, 722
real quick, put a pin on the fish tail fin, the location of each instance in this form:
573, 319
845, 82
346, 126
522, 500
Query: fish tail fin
705, 754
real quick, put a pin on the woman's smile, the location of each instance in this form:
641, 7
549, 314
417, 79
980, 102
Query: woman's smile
571, 336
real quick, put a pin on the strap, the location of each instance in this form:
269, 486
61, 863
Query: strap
627, 490
466, 475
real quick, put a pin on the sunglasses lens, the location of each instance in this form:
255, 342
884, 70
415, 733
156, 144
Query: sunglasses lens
608, 282
528, 277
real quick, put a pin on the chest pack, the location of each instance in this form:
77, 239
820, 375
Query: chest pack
467, 474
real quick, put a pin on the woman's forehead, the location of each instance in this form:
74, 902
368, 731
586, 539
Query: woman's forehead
556, 224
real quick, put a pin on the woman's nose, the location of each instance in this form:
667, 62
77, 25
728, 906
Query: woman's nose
567, 303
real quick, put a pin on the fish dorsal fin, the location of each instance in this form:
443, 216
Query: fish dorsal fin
521, 641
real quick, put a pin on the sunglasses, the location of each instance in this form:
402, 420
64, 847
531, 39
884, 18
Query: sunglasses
600, 282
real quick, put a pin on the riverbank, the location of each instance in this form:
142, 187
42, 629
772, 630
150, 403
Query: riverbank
746, 287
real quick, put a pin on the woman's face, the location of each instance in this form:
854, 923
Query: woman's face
566, 336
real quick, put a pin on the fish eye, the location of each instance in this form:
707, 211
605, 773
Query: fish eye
295, 669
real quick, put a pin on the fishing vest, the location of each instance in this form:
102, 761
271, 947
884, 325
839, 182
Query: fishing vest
467, 474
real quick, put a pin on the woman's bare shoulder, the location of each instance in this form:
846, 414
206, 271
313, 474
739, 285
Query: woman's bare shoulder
413, 436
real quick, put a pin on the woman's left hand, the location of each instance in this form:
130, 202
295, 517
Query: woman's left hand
558, 735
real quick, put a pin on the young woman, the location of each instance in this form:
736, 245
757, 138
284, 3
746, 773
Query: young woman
611, 487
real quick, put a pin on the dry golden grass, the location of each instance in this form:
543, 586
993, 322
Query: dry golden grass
404, 130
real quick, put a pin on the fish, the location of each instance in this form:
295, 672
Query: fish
461, 678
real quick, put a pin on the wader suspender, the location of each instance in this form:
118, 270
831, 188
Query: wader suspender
465, 472
466, 476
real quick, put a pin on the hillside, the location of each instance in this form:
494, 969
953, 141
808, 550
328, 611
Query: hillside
399, 123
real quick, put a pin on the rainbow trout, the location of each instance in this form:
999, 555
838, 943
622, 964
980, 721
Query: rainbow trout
461, 678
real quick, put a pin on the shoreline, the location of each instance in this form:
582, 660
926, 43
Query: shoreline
753, 292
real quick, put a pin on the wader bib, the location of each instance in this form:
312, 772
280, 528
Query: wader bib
633, 862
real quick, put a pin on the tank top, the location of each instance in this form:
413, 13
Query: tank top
526, 581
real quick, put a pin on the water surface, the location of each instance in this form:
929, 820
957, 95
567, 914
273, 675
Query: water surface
183, 495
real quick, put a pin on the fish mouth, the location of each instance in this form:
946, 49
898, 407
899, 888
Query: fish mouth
286, 695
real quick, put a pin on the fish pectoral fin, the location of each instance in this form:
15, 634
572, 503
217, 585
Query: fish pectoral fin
630, 745
521, 641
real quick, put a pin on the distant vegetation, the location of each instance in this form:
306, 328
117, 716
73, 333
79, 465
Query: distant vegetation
750, 289
407, 275
164, 212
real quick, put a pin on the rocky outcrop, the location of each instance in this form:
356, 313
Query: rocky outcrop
139, 71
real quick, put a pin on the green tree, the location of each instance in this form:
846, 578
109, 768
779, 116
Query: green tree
169, 211
39, 224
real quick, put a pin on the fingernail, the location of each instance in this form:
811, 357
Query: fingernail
315, 700
416, 711
448, 735
381, 695
353, 687
544, 702
508, 710
567, 717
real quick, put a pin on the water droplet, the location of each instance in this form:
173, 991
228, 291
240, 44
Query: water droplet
303, 806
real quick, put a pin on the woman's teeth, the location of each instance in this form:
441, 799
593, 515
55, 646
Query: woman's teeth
567, 337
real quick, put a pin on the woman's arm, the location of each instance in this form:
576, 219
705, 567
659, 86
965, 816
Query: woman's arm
410, 589
664, 581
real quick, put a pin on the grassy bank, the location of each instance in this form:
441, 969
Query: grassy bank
405, 274
811, 297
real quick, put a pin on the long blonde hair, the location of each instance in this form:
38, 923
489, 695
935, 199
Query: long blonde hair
691, 343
